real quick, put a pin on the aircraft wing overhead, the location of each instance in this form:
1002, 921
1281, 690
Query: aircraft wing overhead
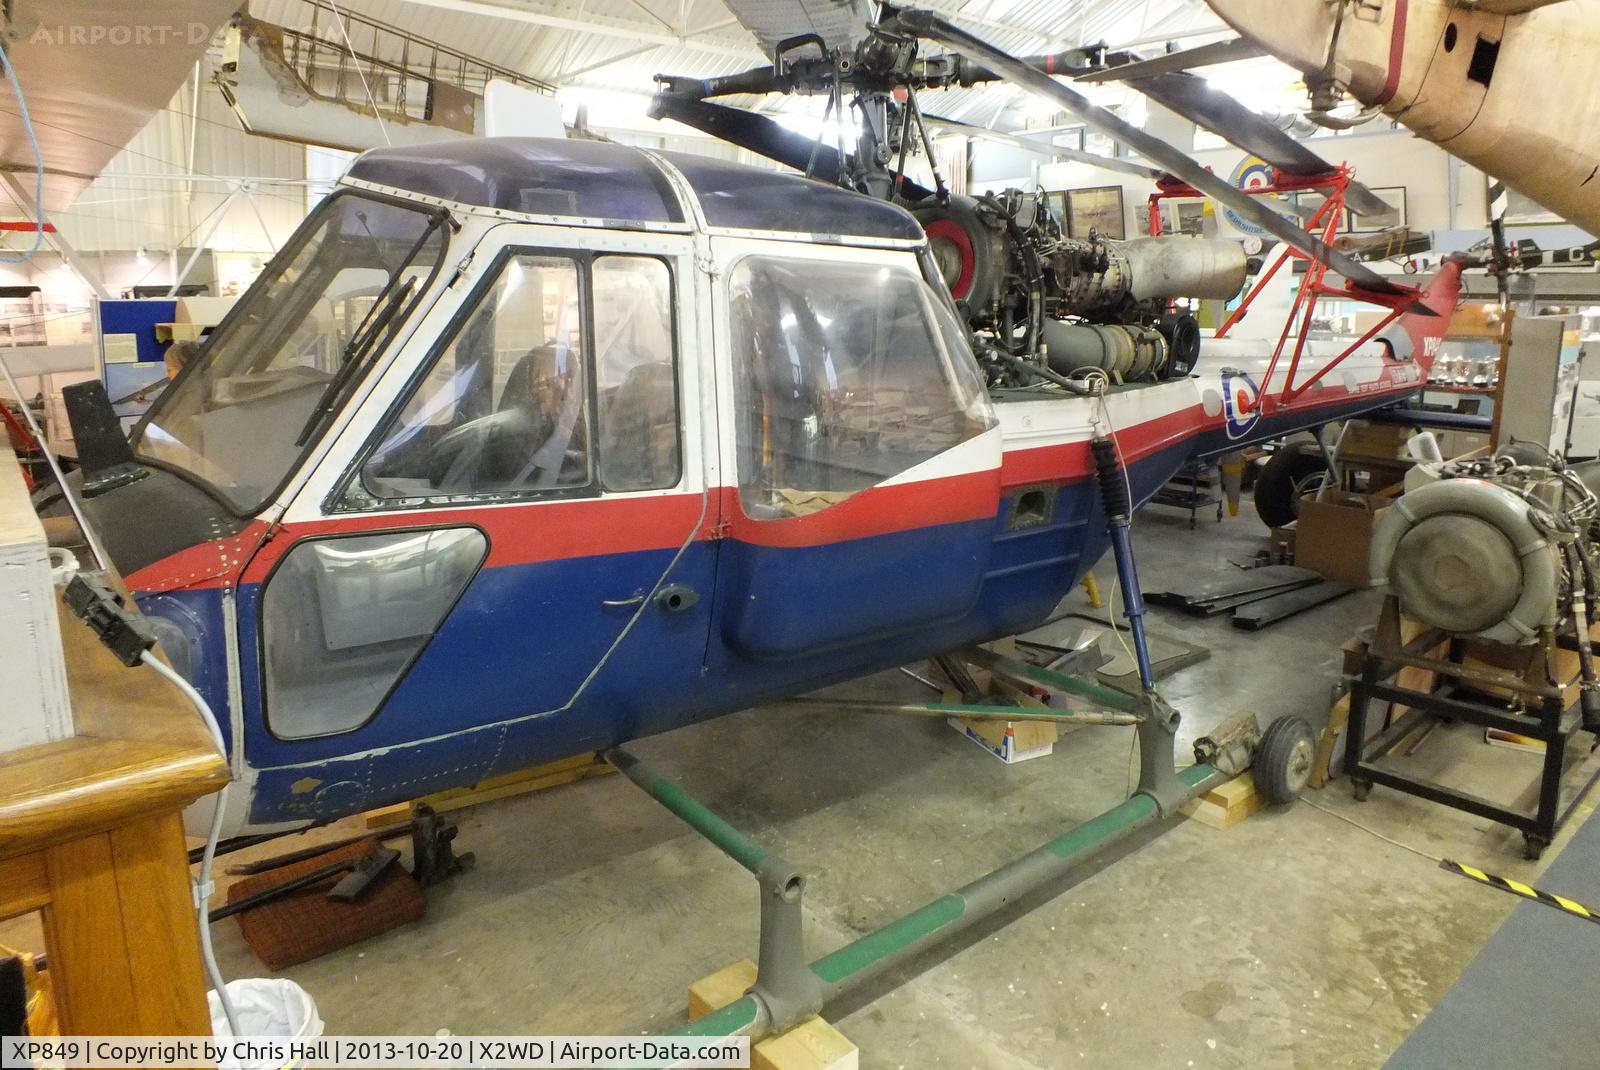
840, 23
1190, 96
1508, 7
93, 73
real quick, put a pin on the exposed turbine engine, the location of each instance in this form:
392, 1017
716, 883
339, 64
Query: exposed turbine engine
1028, 289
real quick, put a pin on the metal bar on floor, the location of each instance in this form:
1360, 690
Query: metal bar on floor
968, 710
1049, 679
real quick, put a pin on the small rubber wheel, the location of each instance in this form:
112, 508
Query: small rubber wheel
1533, 846
1362, 790
1295, 468
1283, 761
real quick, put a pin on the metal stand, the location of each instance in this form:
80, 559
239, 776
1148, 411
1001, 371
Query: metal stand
1192, 489
1538, 710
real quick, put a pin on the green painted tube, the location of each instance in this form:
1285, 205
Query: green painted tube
735, 1018
733, 843
918, 930
942, 918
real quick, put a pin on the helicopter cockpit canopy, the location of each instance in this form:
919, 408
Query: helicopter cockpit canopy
240, 416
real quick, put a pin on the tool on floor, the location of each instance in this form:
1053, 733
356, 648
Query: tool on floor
432, 857
358, 874
262, 865
1526, 891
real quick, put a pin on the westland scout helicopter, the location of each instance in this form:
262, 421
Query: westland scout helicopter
526, 448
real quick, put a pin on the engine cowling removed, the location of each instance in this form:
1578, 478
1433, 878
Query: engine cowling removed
1083, 302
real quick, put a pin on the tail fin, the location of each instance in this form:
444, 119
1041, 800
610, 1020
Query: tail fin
1421, 330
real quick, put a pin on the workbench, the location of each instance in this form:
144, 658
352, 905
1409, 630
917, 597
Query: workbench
91, 837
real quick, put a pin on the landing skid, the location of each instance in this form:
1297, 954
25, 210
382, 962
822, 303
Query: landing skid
789, 989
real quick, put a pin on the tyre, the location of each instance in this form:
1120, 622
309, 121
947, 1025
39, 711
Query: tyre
1294, 469
1283, 761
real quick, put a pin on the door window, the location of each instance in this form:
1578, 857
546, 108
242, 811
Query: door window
637, 380
845, 376
342, 618
508, 407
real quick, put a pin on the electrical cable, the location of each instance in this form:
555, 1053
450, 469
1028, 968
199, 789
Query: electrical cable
38, 172
202, 879
1371, 831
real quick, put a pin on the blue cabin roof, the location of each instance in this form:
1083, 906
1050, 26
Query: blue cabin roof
602, 180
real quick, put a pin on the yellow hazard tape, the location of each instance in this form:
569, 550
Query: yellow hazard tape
1526, 891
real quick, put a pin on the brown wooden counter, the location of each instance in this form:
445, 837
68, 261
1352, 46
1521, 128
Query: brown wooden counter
91, 836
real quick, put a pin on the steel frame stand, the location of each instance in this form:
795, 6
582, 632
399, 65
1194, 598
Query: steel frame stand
1543, 715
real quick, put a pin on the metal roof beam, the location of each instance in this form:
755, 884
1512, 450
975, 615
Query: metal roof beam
602, 25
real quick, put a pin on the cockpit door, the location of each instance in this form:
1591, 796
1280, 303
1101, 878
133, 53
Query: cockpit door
512, 559
864, 450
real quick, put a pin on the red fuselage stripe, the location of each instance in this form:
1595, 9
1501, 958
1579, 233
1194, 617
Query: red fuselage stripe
1397, 54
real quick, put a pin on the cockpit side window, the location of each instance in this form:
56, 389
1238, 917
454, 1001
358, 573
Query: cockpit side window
560, 380
504, 410
845, 377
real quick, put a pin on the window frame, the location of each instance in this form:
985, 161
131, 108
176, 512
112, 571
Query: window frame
405, 670
396, 332
918, 267
350, 494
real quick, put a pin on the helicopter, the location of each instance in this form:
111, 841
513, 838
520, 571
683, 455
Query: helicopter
525, 448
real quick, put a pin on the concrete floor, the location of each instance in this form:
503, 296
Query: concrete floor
1291, 940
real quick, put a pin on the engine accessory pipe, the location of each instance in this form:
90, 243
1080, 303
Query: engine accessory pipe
1125, 351
1582, 589
870, 955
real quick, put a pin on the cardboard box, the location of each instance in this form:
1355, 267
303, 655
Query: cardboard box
1010, 741
1375, 441
1334, 534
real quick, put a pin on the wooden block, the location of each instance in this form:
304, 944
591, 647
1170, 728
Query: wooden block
1226, 804
811, 1045
537, 778
1338, 718
721, 988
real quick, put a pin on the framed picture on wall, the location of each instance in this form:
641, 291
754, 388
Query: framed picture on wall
1098, 209
1522, 210
1395, 197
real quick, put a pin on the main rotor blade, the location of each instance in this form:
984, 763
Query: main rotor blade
763, 135
1043, 148
1235, 48
927, 24
1192, 97
840, 23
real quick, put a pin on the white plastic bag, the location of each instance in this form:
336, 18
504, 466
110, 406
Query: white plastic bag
266, 1007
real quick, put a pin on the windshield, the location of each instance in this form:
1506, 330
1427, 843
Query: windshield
284, 359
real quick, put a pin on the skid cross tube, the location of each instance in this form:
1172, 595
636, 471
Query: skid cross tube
868, 956
786, 991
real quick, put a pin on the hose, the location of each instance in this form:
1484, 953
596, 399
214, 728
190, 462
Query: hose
1583, 593
202, 880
